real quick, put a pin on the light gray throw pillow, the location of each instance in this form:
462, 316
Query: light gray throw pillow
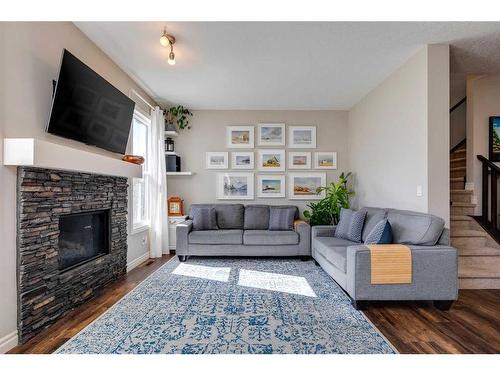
350, 225
281, 218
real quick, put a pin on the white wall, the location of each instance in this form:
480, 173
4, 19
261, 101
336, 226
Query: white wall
483, 101
399, 137
208, 133
30, 54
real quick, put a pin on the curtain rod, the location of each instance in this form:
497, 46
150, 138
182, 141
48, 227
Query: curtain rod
140, 97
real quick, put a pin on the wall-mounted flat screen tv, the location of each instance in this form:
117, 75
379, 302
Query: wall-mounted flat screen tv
87, 108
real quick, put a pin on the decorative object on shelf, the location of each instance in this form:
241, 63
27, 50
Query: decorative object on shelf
133, 159
175, 206
168, 40
299, 160
169, 145
325, 160
235, 186
327, 210
172, 163
240, 136
178, 115
170, 126
242, 160
271, 135
302, 136
306, 186
271, 160
271, 186
217, 160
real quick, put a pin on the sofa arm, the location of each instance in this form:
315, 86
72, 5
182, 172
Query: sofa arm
322, 231
182, 232
304, 231
434, 275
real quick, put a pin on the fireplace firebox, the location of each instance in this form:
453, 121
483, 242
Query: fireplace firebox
82, 237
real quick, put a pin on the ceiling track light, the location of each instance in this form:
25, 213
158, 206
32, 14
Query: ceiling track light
168, 40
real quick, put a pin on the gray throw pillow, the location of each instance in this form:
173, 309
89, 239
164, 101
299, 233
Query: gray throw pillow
204, 218
256, 217
281, 218
350, 225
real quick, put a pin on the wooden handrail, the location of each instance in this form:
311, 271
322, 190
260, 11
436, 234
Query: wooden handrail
458, 104
489, 163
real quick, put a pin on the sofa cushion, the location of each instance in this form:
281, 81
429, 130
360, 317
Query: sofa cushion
256, 217
268, 237
374, 216
229, 216
281, 218
204, 218
350, 224
334, 250
216, 237
380, 234
415, 228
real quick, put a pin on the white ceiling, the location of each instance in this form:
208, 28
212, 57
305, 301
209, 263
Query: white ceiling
283, 65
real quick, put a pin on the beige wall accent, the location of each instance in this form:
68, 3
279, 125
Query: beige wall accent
29, 59
483, 101
399, 135
208, 133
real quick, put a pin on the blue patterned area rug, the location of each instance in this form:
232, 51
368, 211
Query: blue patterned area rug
232, 305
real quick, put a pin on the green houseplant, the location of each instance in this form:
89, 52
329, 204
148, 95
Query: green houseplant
327, 210
180, 115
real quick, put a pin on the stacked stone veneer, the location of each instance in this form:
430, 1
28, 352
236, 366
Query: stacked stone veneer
45, 293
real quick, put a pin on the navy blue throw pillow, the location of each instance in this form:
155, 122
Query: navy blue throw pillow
380, 234
350, 224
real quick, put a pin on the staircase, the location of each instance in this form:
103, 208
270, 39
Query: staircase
479, 253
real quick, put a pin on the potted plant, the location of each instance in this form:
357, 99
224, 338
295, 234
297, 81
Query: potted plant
177, 115
327, 210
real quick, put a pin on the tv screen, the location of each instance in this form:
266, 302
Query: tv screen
87, 108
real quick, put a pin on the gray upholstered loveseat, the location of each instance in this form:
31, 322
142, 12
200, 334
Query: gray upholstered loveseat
243, 231
434, 262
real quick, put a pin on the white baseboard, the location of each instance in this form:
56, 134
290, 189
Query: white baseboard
134, 263
8, 342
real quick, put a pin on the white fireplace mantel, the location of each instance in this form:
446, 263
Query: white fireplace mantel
33, 152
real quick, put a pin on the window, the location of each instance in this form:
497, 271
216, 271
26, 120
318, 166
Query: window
141, 131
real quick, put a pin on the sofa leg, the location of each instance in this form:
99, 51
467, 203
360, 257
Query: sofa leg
182, 258
359, 305
304, 258
443, 305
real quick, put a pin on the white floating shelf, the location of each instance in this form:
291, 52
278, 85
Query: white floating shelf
171, 133
180, 173
171, 153
31, 152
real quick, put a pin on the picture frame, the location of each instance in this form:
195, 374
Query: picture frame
302, 136
217, 160
271, 186
272, 160
325, 160
302, 186
299, 160
271, 135
242, 160
240, 137
494, 138
235, 186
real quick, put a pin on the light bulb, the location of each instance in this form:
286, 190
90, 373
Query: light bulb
164, 40
171, 58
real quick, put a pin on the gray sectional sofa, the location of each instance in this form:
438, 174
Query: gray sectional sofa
434, 262
243, 231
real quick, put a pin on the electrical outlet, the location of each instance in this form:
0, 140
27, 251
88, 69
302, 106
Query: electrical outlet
144, 240
419, 191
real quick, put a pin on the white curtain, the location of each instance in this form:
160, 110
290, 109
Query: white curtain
158, 232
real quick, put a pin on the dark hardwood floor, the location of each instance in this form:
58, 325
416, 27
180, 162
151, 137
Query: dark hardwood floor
471, 326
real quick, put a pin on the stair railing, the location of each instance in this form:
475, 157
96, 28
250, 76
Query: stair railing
490, 175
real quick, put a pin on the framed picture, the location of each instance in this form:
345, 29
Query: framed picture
302, 136
271, 186
217, 160
271, 135
240, 136
495, 138
304, 185
271, 160
235, 185
299, 160
242, 160
325, 160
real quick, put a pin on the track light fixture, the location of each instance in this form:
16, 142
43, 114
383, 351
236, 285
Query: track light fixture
168, 40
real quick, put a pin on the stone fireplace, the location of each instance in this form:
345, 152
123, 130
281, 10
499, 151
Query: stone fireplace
72, 240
